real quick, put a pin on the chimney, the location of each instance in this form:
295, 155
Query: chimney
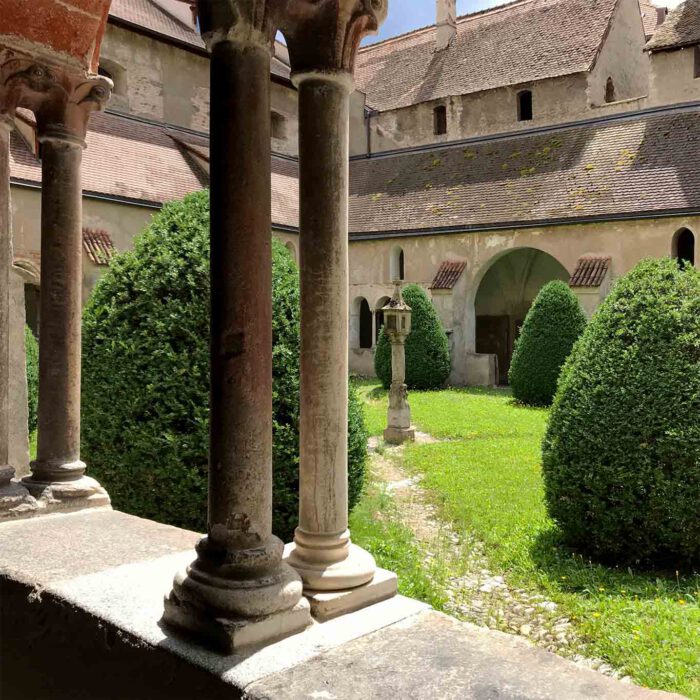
446, 23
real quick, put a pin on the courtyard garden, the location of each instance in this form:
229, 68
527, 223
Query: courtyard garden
461, 516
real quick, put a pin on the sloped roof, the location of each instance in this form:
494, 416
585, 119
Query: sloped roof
681, 28
132, 159
590, 271
507, 45
652, 16
448, 274
166, 18
643, 163
98, 246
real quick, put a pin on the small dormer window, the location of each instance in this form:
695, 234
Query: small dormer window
609, 90
696, 69
525, 106
440, 120
279, 126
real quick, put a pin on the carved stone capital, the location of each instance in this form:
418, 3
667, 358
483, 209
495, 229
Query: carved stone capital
251, 22
324, 35
61, 101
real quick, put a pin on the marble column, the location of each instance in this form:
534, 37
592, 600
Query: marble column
322, 43
239, 591
14, 498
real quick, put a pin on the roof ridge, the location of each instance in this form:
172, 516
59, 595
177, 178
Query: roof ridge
460, 19
173, 18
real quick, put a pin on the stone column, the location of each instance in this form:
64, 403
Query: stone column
14, 498
322, 45
238, 591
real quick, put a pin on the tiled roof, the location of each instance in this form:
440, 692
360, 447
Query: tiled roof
169, 19
524, 41
590, 272
642, 163
98, 246
447, 275
132, 159
681, 28
652, 16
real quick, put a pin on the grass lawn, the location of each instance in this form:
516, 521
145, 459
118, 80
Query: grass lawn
485, 477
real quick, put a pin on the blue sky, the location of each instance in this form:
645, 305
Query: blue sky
405, 15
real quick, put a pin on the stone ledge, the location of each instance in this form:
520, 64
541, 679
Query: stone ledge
82, 597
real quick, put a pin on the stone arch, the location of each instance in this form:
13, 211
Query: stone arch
397, 269
379, 316
502, 294
31, 277
360, 324
683, 246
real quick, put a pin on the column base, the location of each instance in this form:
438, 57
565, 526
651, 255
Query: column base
356, 569
397, 436
325, 605
76, 494
230, 614
15, 500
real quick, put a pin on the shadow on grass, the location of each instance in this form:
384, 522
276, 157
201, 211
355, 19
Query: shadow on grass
576, 572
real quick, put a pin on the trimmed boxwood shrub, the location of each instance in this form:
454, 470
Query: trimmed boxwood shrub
552, 325
621, 453
427, 348
31, 349
146, 376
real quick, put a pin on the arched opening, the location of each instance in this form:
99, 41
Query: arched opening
279, 125
609, 90
116, 73
360, 324
503, 299
524, 106
32, 298
440, 120
684, 246
396, 264
379, 317
292, 250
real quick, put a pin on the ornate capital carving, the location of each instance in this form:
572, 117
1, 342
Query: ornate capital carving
324, 35
61, 101
245, 21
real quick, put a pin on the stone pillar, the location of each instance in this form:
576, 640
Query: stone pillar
14, 498
322, 45
62, 101
238, 591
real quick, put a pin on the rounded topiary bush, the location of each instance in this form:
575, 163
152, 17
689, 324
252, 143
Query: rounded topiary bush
146, 376
621, 455
31, 348
427, 348
552, 326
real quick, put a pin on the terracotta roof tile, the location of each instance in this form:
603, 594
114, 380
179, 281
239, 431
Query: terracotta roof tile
524, 41
681, 28
590, 272
448, 274
98, 246
652, 16
131, 159
640, 163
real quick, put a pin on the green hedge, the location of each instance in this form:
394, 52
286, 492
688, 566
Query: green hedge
146, 376
31, 348
622, 450
427, 347
552, 326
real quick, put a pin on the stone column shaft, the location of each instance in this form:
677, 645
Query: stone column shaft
398, 362
238, 591
5, 268
58, 448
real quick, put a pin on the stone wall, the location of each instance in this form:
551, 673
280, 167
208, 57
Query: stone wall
672, 77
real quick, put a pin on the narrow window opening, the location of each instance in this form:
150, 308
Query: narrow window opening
365, 325
279, 126
696, 69
402, 274
397, 264
524, 106
609, 90
440, 120
684, 246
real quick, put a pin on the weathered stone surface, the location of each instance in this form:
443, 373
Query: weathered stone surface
431, 655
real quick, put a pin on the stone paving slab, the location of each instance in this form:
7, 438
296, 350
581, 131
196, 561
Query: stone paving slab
431, 655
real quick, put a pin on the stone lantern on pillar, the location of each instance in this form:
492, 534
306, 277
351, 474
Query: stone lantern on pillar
397, 326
